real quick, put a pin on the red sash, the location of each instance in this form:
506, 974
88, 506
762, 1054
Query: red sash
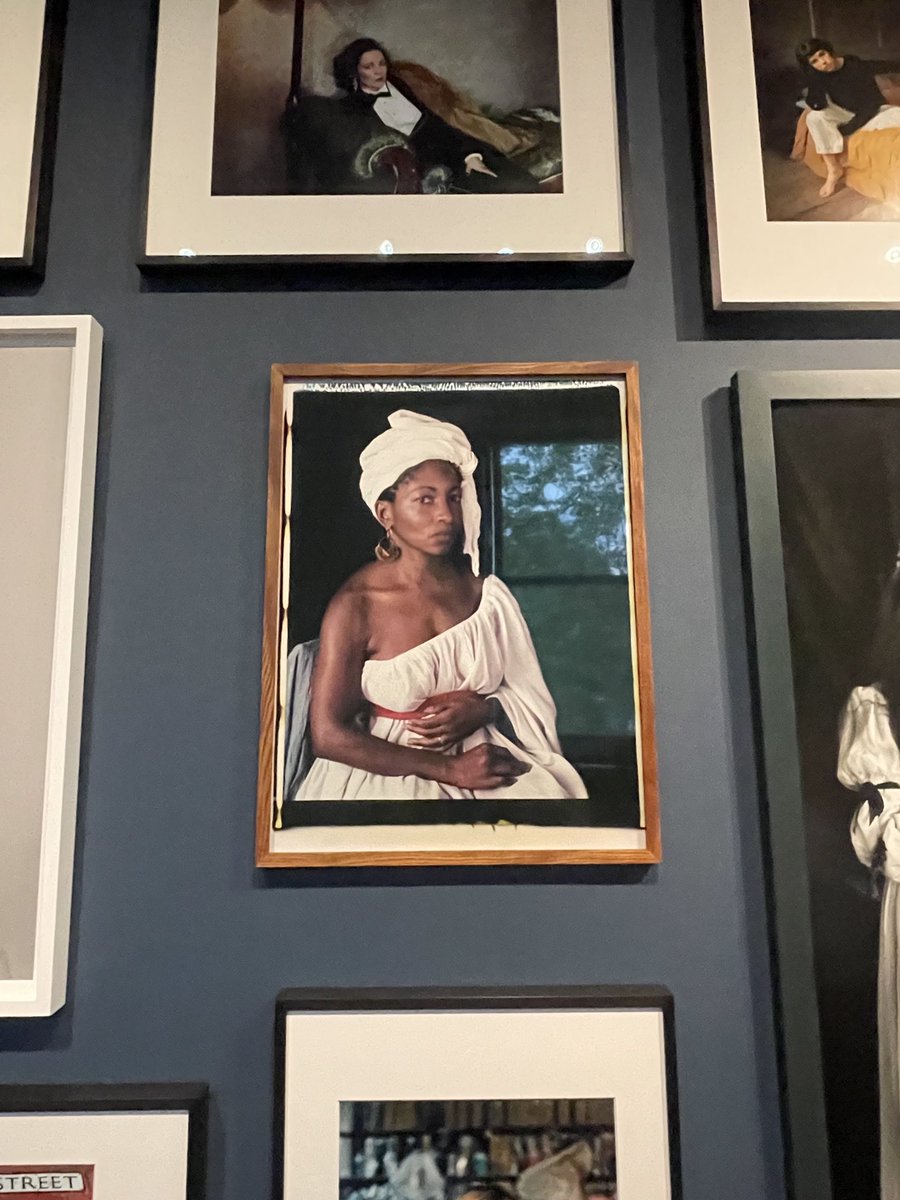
378, 711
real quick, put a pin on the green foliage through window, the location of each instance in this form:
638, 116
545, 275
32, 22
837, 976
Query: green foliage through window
562, 548
563, 509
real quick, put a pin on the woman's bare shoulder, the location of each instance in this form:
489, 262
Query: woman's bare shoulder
348, 608
352, 601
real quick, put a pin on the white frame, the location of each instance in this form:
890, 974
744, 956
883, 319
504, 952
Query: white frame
30, 49
146, 1141
186, 224
457, 1043
756, 263
45, 992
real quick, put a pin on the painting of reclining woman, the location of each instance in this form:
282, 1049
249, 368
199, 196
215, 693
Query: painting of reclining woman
828, 91
381, 97
457, 638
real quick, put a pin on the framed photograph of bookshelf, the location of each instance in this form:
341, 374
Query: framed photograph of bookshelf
456, 645
476, 1094
104, 1141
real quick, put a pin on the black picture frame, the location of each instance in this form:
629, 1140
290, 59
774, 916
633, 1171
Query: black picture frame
192, 1098
754, 395
32, 261
742, 316
415, 270
557, 998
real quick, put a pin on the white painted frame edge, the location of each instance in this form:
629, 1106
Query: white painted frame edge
45, 992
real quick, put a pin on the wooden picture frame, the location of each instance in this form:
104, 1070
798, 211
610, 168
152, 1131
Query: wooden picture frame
823, 919
211, 203
772, 242
87, 1135
536, 399
412, 1045
31, 48
49, 388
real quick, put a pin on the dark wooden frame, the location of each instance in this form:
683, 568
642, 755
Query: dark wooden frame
778, 761
528, 270
34, 253
482, 999
706, 199
192, 1098
620, 371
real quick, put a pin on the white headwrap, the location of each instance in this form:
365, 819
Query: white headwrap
412, 439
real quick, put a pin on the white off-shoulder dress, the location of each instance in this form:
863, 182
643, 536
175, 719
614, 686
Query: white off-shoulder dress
869, 755
491, 653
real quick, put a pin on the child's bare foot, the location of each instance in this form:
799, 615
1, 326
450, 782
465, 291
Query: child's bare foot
829, 187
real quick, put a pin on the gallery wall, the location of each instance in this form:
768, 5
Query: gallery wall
179, 944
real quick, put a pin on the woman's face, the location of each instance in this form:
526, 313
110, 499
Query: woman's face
822, 60
426, 513
371, 71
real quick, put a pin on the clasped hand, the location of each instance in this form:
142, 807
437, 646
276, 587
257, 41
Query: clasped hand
448, 720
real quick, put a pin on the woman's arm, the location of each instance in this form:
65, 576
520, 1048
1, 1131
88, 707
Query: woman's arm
816, 94
337, 699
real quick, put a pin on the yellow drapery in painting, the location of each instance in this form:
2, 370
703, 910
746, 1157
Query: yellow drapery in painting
460, 110
872, 157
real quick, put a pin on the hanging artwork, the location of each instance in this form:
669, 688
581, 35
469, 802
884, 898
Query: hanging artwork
456, 650
476, 1094
104, 1141
31, 43
801, 106
389, 130
820, 453
49, 397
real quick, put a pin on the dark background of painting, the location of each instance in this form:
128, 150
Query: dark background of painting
503, 53
838, 467
870, 29
179, 944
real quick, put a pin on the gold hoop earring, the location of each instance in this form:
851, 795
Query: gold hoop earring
386, 550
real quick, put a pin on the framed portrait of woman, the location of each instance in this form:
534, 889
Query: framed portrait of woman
31, 45
818, 457
456, 645
389, 131
800, 107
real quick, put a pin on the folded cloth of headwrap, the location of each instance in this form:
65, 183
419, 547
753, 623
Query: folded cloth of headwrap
412, 439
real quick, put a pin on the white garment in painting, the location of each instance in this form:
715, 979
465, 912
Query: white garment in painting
869, 754
397, 112
824, 124
490, 653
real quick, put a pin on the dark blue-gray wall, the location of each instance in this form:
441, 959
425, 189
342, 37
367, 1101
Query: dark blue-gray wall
179, 944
